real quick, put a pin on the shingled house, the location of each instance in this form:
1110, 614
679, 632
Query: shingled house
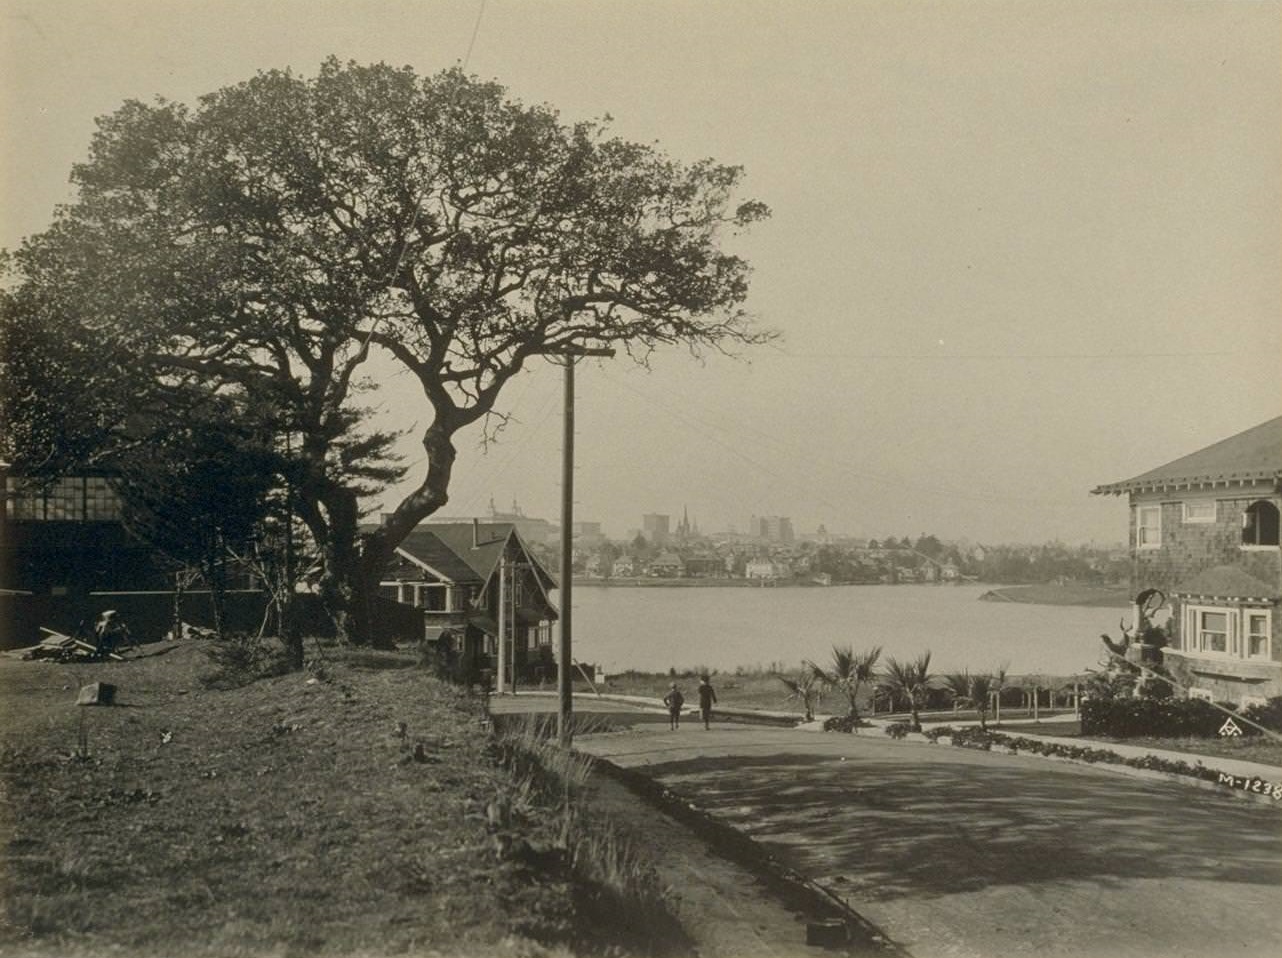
476, 583
1204, 530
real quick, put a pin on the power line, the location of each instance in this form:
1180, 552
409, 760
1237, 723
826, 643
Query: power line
476, 28
1022, 357
810, 455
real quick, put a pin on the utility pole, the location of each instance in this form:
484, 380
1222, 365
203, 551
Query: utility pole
564, 678
501, 658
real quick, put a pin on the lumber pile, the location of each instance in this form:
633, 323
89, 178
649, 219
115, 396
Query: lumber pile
57, 647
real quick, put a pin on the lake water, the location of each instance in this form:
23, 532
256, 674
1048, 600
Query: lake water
656, 628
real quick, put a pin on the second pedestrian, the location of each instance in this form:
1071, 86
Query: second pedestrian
707, 699
674, 700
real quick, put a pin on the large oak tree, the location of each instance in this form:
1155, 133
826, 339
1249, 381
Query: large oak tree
264, 242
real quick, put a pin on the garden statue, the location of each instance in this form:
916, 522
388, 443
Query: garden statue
1141, 644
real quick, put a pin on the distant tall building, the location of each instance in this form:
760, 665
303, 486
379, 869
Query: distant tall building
777, 529
654, 527
685, 528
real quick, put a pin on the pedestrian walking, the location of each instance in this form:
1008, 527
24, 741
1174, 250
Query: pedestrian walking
674, 700
707, 699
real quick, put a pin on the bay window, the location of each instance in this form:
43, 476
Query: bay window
1228, 632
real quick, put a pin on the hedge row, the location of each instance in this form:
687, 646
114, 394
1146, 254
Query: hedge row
1160, 718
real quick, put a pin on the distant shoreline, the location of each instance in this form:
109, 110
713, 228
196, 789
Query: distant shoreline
1050, 594
646, 582
1036, 594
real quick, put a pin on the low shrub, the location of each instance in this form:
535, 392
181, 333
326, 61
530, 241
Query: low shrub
898, 730
936, 732
1269, 714
843, 723
1159, 718
972, 736
241, 658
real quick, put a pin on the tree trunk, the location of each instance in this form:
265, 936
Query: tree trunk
355, 573
339, 585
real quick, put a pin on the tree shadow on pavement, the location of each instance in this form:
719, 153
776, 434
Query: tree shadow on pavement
886, 829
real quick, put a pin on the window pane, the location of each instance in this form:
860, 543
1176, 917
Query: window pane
1260, 524
1257, 635
1199, 511
1149, 526
1215, 631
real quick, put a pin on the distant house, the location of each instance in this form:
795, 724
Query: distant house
624, 566
473, 582
667, 565
766, 568
1204, 530
705, 566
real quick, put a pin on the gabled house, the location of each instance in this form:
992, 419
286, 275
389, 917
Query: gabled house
763, 567
478, 586
623, 567
704, 566
667, 565
1204, 530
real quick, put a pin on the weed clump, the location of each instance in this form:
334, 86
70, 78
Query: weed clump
241, 658
613, 883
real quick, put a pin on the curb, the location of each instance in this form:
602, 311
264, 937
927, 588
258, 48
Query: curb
916, 738
796, 890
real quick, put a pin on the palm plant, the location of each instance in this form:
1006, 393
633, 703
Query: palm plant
849, 672
806, 687
999, 683
974, 690
909, 680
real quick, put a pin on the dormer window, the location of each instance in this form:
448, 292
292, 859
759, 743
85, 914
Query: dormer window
1260, 524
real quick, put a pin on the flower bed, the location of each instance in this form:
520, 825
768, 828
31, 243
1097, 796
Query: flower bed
974, 737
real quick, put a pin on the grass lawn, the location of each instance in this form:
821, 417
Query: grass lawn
347, 811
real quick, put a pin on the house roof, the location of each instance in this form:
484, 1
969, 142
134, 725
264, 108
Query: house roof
465, 553
1228, 582
1248, 456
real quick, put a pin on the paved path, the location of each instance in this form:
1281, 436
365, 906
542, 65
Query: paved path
954, 852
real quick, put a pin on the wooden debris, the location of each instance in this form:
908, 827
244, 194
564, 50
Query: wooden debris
65, 648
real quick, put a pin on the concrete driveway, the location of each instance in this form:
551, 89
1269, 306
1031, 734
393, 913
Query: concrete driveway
954, 852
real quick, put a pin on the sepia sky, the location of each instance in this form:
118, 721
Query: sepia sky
1017, 250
